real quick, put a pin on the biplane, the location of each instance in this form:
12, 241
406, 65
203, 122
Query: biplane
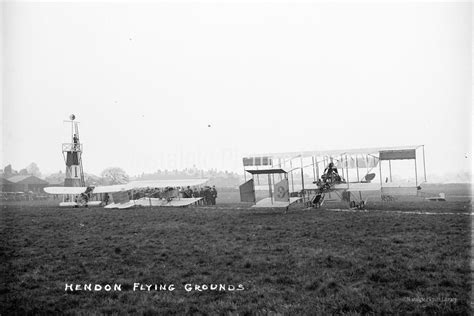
122, 194
75, 193
314, 177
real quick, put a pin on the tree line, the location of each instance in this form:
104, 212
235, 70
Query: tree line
116, 175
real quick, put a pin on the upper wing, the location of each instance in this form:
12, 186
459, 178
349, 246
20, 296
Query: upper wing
65, 190
149, 184
111, 188
129, 186
166, 183
261, 158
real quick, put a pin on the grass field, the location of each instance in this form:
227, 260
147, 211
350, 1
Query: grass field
385, 260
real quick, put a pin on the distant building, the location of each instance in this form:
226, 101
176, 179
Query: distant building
27, 183
6, 185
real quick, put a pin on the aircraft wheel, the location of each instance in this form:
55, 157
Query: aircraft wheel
362, 205
352, 204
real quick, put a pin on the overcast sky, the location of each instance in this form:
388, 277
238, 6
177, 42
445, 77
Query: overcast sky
147, 80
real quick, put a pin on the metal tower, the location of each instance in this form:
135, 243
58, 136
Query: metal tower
72, 153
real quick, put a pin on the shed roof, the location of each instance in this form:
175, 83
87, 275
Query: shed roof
5, 181
27, 179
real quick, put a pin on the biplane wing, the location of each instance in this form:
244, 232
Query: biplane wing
65, 190
167, 183
111, 188
120, 195
157, 184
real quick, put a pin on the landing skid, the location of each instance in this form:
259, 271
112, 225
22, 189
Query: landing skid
354, 202
353, 205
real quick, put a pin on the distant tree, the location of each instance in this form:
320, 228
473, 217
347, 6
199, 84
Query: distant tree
55, 178
114, 175
8, 170
33, 169
23, 172
91, 179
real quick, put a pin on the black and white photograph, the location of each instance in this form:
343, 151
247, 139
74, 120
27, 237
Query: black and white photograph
265, 157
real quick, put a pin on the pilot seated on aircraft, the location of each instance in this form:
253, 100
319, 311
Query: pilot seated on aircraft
84, 199
331, 174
